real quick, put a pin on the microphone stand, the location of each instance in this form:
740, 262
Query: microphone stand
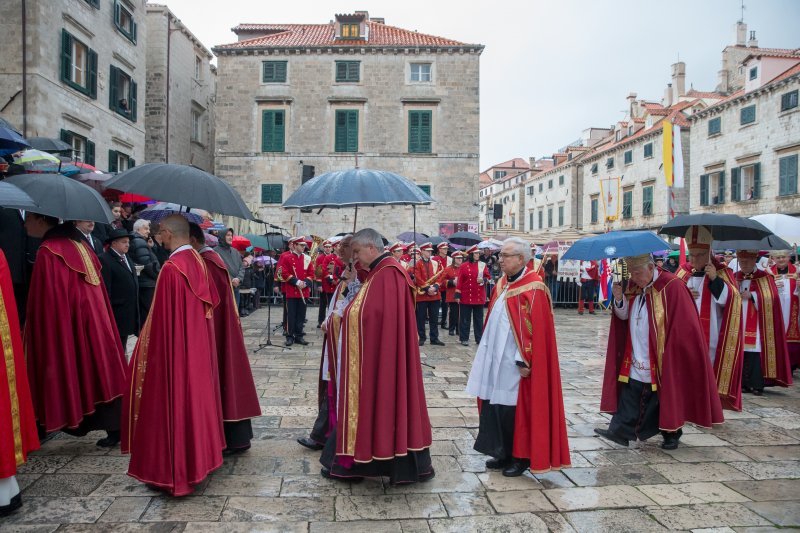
268, 328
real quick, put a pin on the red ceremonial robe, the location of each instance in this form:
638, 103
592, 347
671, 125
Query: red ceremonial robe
237, 388
774, 353
172, 424
382, 413
540, 430
683, 375
730, 347
74, 353
793, 328
17, 423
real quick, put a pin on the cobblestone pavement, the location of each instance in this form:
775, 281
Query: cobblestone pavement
741, 476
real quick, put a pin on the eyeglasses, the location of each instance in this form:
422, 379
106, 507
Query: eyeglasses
506, 256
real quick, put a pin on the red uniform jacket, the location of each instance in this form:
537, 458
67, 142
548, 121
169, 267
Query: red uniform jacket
467, 285
449, 282
292, 268
443, 261
427, 274
330, 275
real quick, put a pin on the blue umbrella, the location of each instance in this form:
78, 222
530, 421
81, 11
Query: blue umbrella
10, 140
616, 244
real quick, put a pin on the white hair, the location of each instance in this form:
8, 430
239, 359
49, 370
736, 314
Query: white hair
368, 237
139, 224
520, 246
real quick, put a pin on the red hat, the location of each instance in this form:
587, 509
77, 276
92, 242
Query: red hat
698, 238
442, 245
473, 249
396, 246
458, 254
326, 243
298, 240
427, 247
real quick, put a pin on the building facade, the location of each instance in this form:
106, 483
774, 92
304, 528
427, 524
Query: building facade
297, 100
74, 69
180, 93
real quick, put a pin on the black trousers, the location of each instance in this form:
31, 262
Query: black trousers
495, 430
324, 300
295, 317
455, 313
443, 306
637, 411
238, 434
319, 433
428, 311
475, 313
752, 376
145, 300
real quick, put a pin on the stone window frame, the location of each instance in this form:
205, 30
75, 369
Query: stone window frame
627, 203
610, 162
115, 99
789, 100
69, 137
120, 13
651, 187
753, 73
345, 73
358, 110
69, 43
627, 157
645, 150
412, 64
738, 184
744, 115
594, 208
712, 130
197, 114
114, 159
421, 147
276, 78
718, 174
276, 110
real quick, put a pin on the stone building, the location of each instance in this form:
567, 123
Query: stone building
297, 99
181, 84
493, 181
72, 69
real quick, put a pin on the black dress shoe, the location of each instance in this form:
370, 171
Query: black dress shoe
13, 505
613, 437
758, 392
235, 451
452, 333
517, 468
437, 342
671, 440
301, 342
426, 477
310, 444
289, 341
422, 342
464, 343
111, 440
327, 474
497, 464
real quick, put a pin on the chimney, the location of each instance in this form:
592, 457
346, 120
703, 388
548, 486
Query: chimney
632, 107
722, 81
678, 80
667, 102
741, 33
378, 20
531, 161
752, 43
365, 14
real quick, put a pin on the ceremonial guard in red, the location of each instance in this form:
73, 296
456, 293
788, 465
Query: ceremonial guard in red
237, 388
320, 274
76, 365
173, 413
786, 275
473, 276
586, 292
515, 374
444, 261
657, 374
450, 281
296, 273
17, 421
766, 357
717, 299
427, 278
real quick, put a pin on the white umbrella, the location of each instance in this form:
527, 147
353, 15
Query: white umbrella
784, 226
487, 244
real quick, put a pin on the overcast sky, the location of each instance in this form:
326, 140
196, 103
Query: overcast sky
551, 68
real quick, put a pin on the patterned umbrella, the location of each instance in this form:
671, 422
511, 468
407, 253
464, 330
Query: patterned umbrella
161, 210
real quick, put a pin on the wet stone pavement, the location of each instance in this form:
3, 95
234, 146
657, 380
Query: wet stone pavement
741, 476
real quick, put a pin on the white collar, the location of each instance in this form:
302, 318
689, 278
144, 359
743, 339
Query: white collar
181, 249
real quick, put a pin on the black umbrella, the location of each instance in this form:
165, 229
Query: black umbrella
723, 227
13, 197
770, 242
436, 241
183, 185
276, 241
48, 144
63, 197
464, 238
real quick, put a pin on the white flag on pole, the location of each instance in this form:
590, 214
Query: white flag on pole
677, 157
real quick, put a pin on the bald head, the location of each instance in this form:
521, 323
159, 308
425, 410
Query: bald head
174, 232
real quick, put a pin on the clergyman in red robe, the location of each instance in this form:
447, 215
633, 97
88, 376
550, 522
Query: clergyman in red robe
786, 276
382, 425
657, 375
76, 362
17, 422
766, 357
172, 424
237, 388
515, 374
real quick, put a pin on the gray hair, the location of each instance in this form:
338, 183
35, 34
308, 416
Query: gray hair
368, 237
520, 246
139, 224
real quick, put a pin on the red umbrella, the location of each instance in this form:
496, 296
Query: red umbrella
130, 198
240, 243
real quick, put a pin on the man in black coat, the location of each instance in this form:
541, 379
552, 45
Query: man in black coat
119, 275
86, 227
142, 252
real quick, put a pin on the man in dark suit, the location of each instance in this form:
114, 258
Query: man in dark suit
86, 227
119, 275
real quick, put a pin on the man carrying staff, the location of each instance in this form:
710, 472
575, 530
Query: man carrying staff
444, 261
785, 275
766, 358
172, 424
515, 375
382, 425
296, 273
657, 374
427, 276
237, 388
717, 299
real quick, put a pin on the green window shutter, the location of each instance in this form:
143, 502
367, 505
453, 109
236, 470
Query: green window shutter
274, 72
66, 56
131, 162
92, 74
65, 136
413, 131
341, 71
704, 189
647, 201
425, 188
419, 131
426, 131
648, 150
340, 131
280, 71
132, 100
268, 71
736, 184
88, 157
134, 27
117, 14
747, 115
628, 157
787, 175
271, 193
346, 130
112, 89
273, 131
757, 181
112, 160
721, 188
352, 131
353, 71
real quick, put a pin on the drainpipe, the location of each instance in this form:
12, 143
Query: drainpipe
169, 39
24, 71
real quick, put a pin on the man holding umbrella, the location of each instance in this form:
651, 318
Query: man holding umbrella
296, 273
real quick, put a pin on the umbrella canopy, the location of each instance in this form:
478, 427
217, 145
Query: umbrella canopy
465, 238
723, 227
616, 244
240, 243
48, 144
437, 240
784, 226
410, 236
771, 242
94, 179
63, 197
277, 241
211, 240
357, 187
35, 159
184, 185
259, 241
487, 245
161, 210
10, 140
13, 197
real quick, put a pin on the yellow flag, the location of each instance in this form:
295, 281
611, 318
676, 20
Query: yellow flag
667, 151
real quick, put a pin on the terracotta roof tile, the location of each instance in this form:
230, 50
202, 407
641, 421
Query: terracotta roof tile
316, 35
705, 94
787, 73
